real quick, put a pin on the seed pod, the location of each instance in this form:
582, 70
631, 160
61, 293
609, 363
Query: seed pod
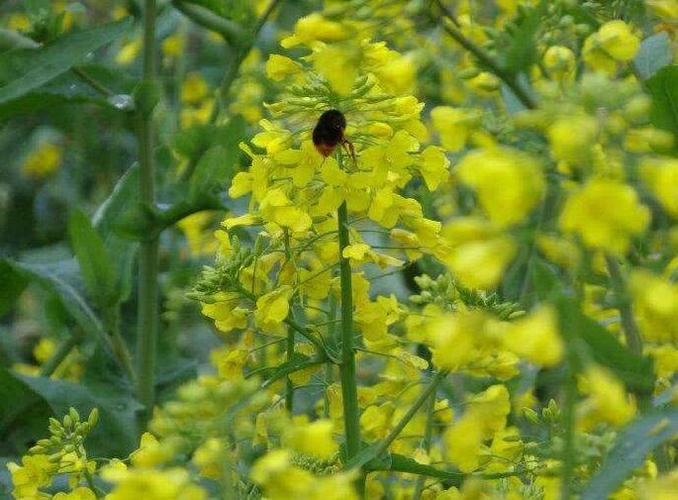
93, 417
74, 415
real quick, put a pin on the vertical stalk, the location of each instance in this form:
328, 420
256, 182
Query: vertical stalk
147, 321
428, 436
347, 371
568, 458
289, 392
629, 326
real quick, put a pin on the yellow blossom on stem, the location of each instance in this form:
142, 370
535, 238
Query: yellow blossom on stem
613, 42
508, 183
605, 214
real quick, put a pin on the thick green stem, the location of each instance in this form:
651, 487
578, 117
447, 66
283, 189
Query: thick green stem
148, 256
485, 59
347, 371
289, 393
63, 350
629, 326
568, 422
426, 444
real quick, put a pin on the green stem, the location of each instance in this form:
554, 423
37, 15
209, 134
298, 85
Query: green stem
231, 31
395, 432
148, 256
63, 350
347, 370
629, 326
428, 436
92, 82
289, 396
484, 58
242, 46
567, 460
119, 345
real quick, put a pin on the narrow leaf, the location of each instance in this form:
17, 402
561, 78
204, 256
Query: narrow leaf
23, 70
633, 445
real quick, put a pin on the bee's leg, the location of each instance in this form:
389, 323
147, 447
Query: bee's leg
348, 145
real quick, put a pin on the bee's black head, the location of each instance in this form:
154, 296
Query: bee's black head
330, 128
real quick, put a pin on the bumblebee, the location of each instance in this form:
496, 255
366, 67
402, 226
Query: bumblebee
329, 133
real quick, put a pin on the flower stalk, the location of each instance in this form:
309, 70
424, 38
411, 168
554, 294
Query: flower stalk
347, 370
147, 321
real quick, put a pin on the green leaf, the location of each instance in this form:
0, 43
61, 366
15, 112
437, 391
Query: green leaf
654, 53
601, 346
95, 263
13, 285
23, 70
663, 88
633, 445
68, 89
116, 433
23, 414
125, 193
48, 276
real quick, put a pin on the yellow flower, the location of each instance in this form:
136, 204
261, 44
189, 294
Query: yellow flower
34, 472
484, 417
434, 167
613, 42
455, 125
572, 137
279, 67
655, 302
477, 253
129, 52
273, 308
560, 62
18, 22
151, 452
662, 178
509, 183
194, 88
312, 438
277, 207
535, 337
80, 493
605, 214
210, 458
152, 484
313, 28
453, 338
194, 227
43, 162
230, 361
225, 313
667, 9
662, 488
561, 251
173, 46
607, 400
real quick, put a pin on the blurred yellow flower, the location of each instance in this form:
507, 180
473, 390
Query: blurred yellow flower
536, 338
607, 400
605, 214
560, 62
129, 52
43, 162
509, 183
661, 175
613, 42
655, 302
194, 88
